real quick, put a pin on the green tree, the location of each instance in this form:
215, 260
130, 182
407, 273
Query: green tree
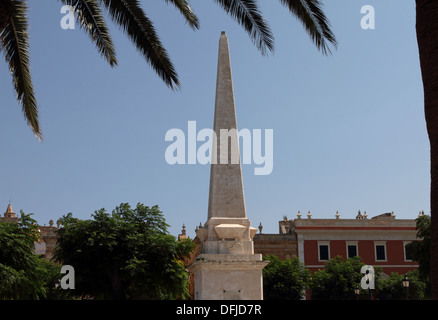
124, 255
131, 18
420, 250
50, 274
284, 279
337, 280
20, 267
392, 287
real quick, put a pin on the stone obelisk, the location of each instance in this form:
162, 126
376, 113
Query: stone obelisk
227, 267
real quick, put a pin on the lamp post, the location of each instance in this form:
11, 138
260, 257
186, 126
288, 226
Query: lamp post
405, 282
356, 292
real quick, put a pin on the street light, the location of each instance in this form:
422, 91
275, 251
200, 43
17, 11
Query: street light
356, 292
406, 286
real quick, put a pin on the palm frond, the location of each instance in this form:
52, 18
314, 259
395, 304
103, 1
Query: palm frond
5, 13
311, 15
89, 15
14, 40
185, 9
249, 17
133, 21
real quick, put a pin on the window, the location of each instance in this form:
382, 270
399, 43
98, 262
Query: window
351, 251
408, 256
380, 251
323, 251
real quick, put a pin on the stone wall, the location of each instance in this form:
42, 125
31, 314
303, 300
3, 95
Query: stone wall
281, 245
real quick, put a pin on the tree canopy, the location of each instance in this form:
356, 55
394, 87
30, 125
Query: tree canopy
392, 287
127, 254
337, 280
420, 250
284, 279
23, 274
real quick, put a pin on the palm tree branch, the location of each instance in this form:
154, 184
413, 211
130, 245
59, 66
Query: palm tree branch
134, 22
311, 15
185, 9
90, 18
249, 17
15, 42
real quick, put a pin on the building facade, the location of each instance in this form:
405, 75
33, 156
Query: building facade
9, 215
379, 241
283, 245
46, 243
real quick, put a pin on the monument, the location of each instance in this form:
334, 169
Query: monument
227, 268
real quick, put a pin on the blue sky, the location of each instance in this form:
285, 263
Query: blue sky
349, 129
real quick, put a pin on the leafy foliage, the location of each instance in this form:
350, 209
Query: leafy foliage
420, 250
311, 15
392, 287
20, 269
124, 255
248, 15
337, 280
284, 279
14, 43
89, 15
134, 22
287, 280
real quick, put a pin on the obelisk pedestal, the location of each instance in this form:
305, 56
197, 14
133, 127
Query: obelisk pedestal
227, 267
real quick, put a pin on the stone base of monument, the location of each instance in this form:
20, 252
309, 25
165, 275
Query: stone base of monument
227, 268
228, 276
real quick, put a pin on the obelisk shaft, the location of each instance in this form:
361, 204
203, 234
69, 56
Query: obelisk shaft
226, 197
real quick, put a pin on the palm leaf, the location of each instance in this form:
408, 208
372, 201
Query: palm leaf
310, 13
134, 22
14, 41
184, 8
249, 17
89, 15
